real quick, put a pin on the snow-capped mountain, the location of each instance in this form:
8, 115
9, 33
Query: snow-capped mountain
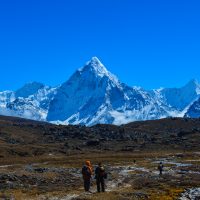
31, 101
194, 109
180, 98
29, 89
94, 95
6, 97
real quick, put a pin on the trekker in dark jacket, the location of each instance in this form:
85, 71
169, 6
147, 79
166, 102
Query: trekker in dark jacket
160, 168
100, 175
87, 174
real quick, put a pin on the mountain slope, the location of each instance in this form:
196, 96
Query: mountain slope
29, 89
6, 97
179, 98
194, 110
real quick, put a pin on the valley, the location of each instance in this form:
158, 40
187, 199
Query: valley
39, 160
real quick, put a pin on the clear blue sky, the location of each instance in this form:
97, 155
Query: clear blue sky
148, 43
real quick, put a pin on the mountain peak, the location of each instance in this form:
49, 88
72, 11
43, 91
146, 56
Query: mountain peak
192, 84
95, 60
95, 65
29, 89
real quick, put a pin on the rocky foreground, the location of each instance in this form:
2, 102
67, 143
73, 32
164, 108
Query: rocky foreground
127, 179
43, 161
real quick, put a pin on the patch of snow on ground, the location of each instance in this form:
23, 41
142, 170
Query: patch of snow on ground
191, 194
68, 197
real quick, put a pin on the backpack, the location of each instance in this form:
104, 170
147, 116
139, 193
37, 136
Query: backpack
102, 172
105, 175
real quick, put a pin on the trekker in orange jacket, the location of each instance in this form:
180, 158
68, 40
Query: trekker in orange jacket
87, 174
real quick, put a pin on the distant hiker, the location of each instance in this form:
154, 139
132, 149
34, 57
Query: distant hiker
100, 175
87, 174
160, 168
